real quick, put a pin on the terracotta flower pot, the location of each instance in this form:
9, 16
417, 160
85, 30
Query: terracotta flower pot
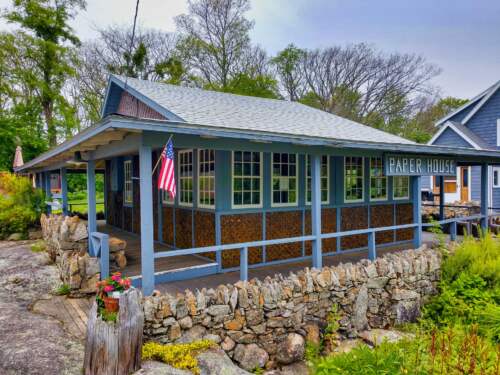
111, 304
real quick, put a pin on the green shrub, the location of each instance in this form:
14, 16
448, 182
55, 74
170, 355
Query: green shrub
20, 204
63, 290
453, 351
39, 246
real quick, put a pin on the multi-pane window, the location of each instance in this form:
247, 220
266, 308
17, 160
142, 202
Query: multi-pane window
186, 177
127, 182
353, 179
206, 178
284, 183
247, 179
324, 179
166, 197
401, 187
378, 181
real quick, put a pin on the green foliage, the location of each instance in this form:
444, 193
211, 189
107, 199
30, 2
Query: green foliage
110, 317
39, 246
261, 85
20, 204
452, 351
470, 287
181, 356
63, 290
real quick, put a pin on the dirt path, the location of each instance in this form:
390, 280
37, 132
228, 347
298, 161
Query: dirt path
32, 343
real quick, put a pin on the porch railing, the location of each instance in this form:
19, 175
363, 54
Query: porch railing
100, 248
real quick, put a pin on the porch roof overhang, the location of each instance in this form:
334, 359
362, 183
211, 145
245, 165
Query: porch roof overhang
115, 128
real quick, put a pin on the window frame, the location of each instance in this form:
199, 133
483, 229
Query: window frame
261, 182
394, 190
308, 157
180, 178
497, 185
201, 205
130, 181
297, 166
362, 199
378, 177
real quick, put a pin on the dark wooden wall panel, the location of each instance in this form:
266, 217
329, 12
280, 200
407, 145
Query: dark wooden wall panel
404, 215
183, 228
204, 231
282, 225
354, 218
241, 228
168, 225
382, 216
136, 190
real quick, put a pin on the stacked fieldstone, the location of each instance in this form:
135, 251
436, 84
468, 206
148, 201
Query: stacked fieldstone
465, 209
264, 323
67, 243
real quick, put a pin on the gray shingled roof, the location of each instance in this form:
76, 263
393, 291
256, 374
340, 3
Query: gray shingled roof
222, 110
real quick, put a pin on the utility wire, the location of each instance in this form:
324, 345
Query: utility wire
132, 41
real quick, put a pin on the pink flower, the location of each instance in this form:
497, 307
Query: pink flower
115, 278
108, 288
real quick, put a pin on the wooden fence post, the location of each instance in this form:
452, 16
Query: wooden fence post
115, 348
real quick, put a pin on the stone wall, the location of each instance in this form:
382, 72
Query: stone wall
271, 316
67, 243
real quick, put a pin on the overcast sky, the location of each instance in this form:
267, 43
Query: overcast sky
460, 36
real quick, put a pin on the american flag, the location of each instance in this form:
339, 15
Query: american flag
166, 178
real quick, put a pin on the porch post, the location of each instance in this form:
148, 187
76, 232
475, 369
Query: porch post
316, 210
441, 197
417, 215
48, 193
146, 198
64, 191
91, 211
484, 195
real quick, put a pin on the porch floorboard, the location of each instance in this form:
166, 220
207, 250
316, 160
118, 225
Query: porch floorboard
133, 253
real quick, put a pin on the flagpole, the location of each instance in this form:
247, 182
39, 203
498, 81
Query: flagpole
158, 161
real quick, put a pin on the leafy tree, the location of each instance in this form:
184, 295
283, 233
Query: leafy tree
46, 31
289, 72
215, 37
264, 86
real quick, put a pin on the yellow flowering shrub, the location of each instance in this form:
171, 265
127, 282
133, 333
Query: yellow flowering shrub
181, 356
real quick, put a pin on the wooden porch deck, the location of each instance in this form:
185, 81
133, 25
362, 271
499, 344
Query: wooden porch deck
133, 253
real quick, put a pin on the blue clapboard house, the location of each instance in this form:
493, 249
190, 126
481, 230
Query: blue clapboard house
260, 182
475, 125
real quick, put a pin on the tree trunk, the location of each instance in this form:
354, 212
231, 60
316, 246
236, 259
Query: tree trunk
115, 348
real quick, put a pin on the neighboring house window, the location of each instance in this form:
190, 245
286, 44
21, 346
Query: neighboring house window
325, 163
378, 182
186, 177
284, 181
247, 179
353, 179
401, 187
496, 177
127, 182
206, 178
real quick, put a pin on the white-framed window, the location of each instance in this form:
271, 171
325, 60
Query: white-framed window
166, 198
325, 179
247, 179
128, 197
185, 177
284, 186
401, 187
496, 177
378, 181
353, 178
206, 178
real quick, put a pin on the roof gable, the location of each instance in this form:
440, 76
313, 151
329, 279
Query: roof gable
222, 110
464, 113
456, 135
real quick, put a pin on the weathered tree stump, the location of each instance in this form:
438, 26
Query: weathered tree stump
115, 348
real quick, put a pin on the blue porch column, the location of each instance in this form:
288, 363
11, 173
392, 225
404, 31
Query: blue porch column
484, 195
417, 206
91, 210
64, 191
146, 197
48, 194
441, 197
316, 210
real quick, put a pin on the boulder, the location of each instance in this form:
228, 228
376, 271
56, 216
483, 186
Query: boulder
217, 362
376, 337
250, 357
15, 237
291, 349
